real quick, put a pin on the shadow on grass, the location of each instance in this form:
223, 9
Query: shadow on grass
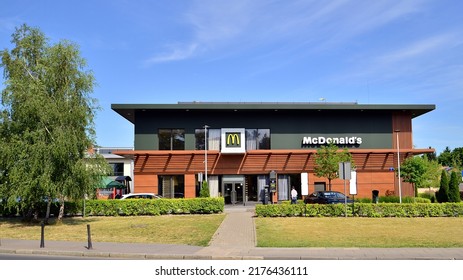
18, 222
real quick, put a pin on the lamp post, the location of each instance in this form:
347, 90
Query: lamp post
398, 167
205, 152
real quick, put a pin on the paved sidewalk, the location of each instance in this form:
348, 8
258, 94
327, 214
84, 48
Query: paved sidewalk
236, 235
235, 239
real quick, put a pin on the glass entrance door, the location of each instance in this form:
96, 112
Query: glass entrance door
233, 192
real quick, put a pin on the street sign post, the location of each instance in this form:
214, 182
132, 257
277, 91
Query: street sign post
344, 173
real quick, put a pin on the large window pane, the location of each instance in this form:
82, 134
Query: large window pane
264, 139
172, 186
213, 137
199, 138
164, 139
171, 139
118, 169
178, 139
251, 139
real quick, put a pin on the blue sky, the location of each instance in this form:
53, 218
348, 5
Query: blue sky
370, 52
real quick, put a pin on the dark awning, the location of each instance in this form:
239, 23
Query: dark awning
123, 178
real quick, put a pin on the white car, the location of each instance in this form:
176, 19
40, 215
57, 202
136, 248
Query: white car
140, 196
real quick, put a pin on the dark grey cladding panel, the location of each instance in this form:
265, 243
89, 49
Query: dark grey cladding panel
287, 127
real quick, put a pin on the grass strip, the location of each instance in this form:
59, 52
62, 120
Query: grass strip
183, 229
360, 232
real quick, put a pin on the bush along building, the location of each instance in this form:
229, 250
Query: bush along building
246, 149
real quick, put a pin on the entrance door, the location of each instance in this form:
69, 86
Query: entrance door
233, 192
233, 189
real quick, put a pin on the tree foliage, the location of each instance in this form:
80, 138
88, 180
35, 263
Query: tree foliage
452, 158
204, 191
327, 161
443, 194
46, 124
454, 187
420, 171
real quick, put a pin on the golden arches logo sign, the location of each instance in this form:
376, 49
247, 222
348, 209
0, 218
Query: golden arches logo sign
233, 139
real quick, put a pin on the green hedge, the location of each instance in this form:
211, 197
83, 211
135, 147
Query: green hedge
138, 207
362, 210
129, 207
406, 199
70, 209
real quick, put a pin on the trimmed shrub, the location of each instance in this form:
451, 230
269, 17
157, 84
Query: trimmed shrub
454, 187
204, 191
139, 207
442, 194
362, 210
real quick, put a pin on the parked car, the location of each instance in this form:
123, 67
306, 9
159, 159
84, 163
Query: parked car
140, 196
179, 195
326, 197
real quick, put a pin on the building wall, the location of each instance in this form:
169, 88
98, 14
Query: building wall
287, 128
146, 182
374, 158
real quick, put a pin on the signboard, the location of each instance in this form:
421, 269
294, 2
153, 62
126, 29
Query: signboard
273, 181
304, 183
233, 140
344, 170
353, 183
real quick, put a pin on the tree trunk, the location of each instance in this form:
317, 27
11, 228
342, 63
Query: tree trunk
47, 215
61, 211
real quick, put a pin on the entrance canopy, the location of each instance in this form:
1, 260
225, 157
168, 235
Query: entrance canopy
108, 183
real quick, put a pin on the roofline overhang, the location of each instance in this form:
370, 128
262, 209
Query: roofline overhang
128, 111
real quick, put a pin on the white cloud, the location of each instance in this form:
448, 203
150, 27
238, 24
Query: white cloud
241, 25
422, 47
176, 53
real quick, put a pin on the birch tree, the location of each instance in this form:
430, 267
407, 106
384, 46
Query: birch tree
46, 125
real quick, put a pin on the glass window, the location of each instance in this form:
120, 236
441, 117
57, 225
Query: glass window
251, 139
257, 139
178, 139
172, 186
263, 138
199, 136
213, 139
118, 169
171, 139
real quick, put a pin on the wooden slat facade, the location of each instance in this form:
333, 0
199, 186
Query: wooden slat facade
373, 166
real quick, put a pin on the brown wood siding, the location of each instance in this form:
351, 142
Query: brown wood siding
190, 186
402, 122
146, 182
373, 167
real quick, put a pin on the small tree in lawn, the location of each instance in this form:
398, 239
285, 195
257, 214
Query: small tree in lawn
454, 187
204, 192
413, 170
443, 194
327, 161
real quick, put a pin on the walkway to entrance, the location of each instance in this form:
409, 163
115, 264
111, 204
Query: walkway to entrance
236, 234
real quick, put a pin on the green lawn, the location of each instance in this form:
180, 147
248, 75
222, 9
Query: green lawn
271, 232
359, 232
185, 229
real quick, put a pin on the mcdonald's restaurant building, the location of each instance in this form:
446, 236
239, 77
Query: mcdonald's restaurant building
243, 148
